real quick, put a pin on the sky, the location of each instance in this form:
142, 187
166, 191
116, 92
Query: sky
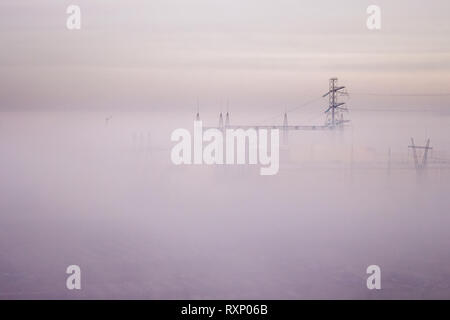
166, 55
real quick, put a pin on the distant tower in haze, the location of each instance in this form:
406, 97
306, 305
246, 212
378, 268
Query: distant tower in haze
285, 129
420, 165
221, 121
197, 117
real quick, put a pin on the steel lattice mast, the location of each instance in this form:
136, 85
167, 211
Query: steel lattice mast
334, 106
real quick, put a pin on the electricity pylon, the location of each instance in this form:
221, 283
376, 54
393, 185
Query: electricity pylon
420, 165
334, 106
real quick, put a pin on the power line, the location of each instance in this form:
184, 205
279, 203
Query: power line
308, 103
401, 94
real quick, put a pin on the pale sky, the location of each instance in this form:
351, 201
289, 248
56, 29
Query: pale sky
163, 54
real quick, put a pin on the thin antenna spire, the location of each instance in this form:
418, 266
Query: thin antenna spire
197, 117
220, 120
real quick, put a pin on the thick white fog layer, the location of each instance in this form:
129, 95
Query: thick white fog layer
86, 176
99, 191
